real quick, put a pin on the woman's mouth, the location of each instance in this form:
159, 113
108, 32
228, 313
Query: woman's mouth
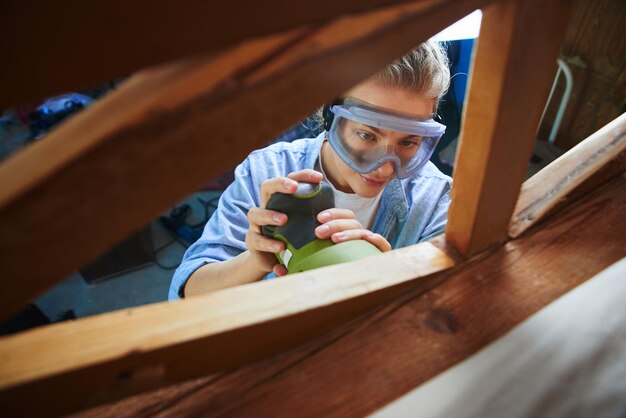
373, 182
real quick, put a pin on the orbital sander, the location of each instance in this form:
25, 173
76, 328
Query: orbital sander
303, 250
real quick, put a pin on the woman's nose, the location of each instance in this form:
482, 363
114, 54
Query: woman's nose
387, 169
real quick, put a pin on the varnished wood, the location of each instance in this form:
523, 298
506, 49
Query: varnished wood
554, 184
511, 75
136, 349
359, 368
51, 48
167, 131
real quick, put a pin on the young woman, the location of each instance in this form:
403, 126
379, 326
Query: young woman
374, 151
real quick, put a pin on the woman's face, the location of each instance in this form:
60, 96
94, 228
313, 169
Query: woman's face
393, 99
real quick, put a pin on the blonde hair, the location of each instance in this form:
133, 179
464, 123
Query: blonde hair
423, 70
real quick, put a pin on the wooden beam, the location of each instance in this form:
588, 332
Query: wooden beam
361, 367
51, 48
511, 75
553, 185
167, 131
117, 354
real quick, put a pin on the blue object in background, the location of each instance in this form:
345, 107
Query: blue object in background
54, 110
460, 70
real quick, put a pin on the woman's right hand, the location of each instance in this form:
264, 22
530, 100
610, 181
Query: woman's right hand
262, 248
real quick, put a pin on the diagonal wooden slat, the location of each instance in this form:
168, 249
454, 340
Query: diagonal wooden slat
166, 132
51, 48
549, 188
513, 67
120, 353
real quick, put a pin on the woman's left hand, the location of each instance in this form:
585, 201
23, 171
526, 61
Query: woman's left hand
341, 225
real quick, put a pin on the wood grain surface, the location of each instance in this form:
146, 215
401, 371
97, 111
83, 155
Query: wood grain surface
552, 186
117, 354
52, 48
510, 79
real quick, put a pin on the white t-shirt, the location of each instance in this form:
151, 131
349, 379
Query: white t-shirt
364, 208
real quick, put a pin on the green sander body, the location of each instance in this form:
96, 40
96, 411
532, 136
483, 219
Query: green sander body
303, 250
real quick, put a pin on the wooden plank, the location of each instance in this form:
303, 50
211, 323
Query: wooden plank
565, 360
104, 173
52, 48
511, 76
554, 184
117, 354
356, 370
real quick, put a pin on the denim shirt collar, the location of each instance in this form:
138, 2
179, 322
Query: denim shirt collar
314, 151
392, 213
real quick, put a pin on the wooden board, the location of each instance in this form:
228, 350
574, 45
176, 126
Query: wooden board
510, 80
551, 187
363, 366
63, 46
567, 360
167, 131
121, 353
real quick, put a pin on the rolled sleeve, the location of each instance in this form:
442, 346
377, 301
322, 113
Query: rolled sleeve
224, 235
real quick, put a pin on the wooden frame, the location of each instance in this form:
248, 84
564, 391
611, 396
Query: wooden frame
206, 335
155, 135
364, 365
246, 76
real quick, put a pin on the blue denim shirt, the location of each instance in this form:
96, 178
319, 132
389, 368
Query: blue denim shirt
411, 210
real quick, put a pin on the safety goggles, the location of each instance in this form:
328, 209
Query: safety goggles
366, 137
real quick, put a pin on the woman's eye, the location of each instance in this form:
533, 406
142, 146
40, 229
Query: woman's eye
365, 135
410, 142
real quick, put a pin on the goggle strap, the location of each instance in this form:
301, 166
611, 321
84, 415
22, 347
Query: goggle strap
328, 113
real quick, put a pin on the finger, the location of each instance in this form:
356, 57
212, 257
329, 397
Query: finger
353, 234
258, 217
335, 213
379, 241
337, 225
280, 270
276, 185
260, 243
308, 175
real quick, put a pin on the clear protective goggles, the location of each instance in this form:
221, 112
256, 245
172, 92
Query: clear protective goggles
366, 137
